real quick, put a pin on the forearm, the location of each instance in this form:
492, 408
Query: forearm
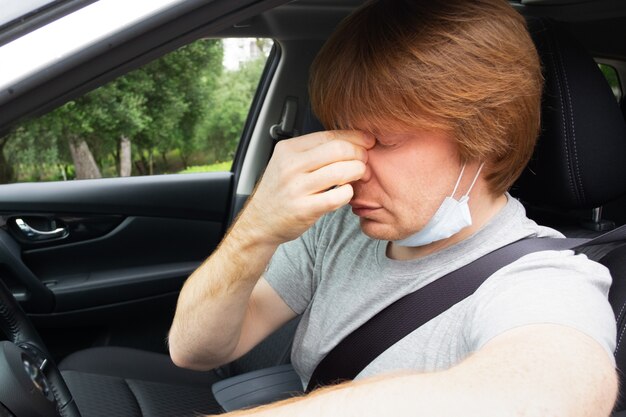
438, 394
306, 178
213, 302
396, 395
542, 371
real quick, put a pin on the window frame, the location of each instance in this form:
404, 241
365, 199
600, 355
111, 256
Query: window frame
37, 17
24, 57
620, 69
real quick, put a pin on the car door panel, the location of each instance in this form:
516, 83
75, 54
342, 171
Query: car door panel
129, 241
189, 196
143, 256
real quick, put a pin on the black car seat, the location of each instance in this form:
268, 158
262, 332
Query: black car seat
580, 159
580, 164
616, 262
118, 381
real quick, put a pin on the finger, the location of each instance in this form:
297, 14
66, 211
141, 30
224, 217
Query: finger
330, 200
330, 152
312, 140
335, 174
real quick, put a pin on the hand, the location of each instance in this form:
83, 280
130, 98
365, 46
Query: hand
307, 177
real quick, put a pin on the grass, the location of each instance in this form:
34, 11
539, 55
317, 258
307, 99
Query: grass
218, 166
51, 172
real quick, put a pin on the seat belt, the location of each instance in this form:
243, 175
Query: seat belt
393, 323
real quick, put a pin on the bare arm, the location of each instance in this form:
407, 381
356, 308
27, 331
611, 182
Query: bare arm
223, 309
531, 371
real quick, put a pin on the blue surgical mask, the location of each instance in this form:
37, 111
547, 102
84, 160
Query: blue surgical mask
452, 216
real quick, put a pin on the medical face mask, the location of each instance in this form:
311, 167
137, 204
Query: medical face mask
449, 219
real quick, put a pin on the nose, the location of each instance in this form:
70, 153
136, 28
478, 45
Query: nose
367, 175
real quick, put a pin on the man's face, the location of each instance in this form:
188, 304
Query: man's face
408, 176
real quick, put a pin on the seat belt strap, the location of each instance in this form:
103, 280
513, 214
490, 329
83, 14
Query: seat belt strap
393, 323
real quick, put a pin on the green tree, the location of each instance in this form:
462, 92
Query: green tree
177, 109
121, 114
6, 169
32, 148
233, 96
159, 107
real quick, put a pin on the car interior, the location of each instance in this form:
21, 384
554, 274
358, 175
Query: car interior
92, 307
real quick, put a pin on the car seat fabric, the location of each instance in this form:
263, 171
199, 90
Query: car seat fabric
99, 395
121, 381
134, 364
580, 158
616, 262
110, 381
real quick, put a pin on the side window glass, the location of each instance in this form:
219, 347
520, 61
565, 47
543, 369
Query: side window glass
612, 78
182, 113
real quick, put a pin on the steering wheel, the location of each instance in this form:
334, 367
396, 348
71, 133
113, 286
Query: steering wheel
30, 382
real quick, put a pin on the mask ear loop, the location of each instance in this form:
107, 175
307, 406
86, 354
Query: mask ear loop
474, 181
458, 181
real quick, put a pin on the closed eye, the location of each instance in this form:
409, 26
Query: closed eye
384, 145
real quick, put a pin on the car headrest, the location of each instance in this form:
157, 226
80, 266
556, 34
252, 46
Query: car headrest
310, 123
580, 158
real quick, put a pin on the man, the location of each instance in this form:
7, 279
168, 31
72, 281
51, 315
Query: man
433, 110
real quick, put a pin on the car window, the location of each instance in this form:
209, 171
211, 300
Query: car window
612, 78
181, 113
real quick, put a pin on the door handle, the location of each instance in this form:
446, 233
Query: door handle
34, 234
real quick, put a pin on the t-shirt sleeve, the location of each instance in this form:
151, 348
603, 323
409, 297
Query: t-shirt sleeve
290, 272
555, 287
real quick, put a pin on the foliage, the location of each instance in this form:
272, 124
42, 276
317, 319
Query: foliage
612, 78
218, 166
233, 96
180, 110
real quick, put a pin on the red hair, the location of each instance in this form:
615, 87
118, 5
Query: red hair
468, 68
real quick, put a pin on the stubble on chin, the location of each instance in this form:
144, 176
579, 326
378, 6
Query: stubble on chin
379, 231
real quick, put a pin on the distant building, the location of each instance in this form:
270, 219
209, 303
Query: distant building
240, 50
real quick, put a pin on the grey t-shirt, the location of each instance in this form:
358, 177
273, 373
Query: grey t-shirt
337, 278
